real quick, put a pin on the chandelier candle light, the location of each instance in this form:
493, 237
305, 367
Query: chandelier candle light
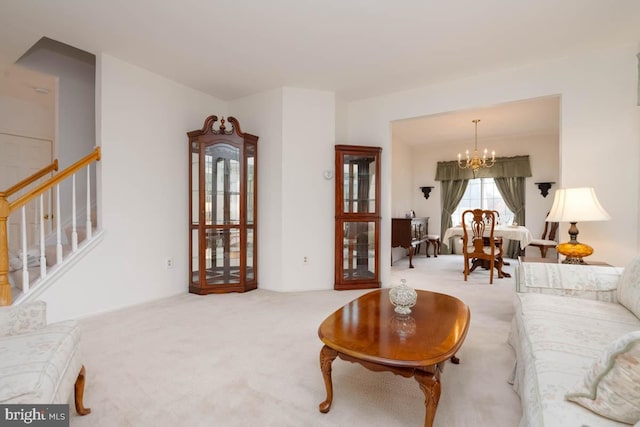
474, 163
573, 205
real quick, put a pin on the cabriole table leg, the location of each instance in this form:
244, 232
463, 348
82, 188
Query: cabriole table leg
430, 386
327, 355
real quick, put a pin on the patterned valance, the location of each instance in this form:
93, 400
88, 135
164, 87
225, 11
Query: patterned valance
505, 167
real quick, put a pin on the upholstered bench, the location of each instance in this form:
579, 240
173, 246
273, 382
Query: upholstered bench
39, 363
433, 239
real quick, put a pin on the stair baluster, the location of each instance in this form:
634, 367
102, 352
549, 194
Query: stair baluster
88, 202
43, 257
74, 231
58, 228
36, 224
25, 269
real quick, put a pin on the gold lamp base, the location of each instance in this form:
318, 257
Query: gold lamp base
574, 251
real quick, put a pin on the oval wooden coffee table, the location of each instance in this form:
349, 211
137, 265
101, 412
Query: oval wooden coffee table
368, 331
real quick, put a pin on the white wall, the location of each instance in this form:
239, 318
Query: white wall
297, 134
76, 71
403, 167
308, 198
598, 139
261, 115
143, 123
21, 117
342, 121
75, 113
402, 185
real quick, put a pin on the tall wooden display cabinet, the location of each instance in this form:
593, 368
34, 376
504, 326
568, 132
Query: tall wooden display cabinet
357, 217
223, 204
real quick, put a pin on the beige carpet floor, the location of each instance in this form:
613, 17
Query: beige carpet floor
253, 360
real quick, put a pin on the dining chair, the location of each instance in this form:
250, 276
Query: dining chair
546, 241
498, 240
478, 242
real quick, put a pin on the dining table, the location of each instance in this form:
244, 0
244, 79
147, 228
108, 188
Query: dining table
511, 232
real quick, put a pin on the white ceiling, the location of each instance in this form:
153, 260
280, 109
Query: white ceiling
356, 48
539, 116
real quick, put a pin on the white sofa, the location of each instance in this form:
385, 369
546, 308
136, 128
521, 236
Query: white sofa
39, 363
576, 335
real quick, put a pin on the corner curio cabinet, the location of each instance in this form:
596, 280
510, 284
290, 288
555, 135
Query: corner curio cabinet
357, 217
223, 208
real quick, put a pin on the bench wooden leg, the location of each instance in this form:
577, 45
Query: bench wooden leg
410, 256
436, 247
79, 394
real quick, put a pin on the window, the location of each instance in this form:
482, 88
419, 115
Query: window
482, 193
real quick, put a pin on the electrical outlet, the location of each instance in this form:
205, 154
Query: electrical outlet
168, 263
305, 260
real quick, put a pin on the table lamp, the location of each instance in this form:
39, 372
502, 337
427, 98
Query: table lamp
573, 205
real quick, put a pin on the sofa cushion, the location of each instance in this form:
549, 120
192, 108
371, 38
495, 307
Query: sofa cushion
611, 386
580, 281
558, 339
629, 287
34, 365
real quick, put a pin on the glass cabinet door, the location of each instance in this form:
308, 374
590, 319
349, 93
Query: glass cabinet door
222, 184
357, 217
251, 203
194, 212
222, 213
359, 184
359, 250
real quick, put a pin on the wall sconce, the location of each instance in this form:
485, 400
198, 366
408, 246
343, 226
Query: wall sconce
426, 191
544, 187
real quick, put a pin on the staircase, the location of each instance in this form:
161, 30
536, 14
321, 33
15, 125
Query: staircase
54, 248
36, 286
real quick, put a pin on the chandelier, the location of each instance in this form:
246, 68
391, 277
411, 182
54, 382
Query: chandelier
476, 162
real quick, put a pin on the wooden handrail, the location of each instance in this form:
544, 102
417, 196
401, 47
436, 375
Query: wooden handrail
7, 207
94, 156
53, 167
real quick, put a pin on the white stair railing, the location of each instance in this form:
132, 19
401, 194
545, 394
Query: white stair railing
43, 232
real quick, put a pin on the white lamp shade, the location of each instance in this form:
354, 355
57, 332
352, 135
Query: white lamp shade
576, 205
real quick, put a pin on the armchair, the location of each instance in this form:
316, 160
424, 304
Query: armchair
547, 241
40, 363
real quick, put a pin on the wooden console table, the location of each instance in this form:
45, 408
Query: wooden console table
410, 233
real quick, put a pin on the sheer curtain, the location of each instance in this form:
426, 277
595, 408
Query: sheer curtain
452, 192
512, 191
